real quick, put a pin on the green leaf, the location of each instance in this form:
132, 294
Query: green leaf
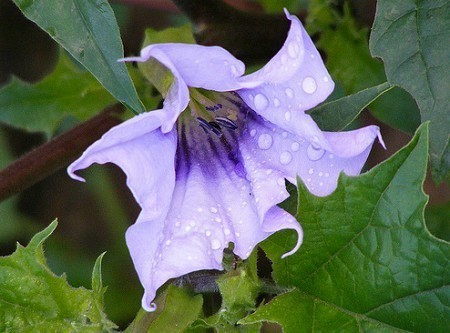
176, 310
411, 37
33, 299
366, 250
88, 30
338, 114
42, 106
276, 7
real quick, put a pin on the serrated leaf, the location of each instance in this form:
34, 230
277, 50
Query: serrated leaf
366, 249
411, 37
176, 309
88, 31
42, 106
33, 299
338, 114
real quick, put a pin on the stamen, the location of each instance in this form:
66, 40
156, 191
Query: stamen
210, 126
216, 129
227, 123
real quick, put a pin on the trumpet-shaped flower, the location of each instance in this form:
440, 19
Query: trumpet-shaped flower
209, 168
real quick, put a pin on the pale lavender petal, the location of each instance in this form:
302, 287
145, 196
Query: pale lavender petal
144, 153
294, 80
269, 149
213, 204
208, 67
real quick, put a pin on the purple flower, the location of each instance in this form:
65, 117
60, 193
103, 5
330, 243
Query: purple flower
215, 173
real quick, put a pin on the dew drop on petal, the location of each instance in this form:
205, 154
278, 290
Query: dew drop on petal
227, 231
215, 244
309, 85
252, 132
276, 102
268, 171
289, 92
293, 49
325, 79
213, 210
284, 134
208, 233
261, 102
287, 116
285, 157
311, 171
295, 146
280, 181
265, 141
314, 153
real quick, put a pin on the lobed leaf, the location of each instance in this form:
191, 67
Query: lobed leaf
411, 37
366, 252
33, 299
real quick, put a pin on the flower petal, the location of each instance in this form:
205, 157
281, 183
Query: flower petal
144, 153
294, 80
213, 204
268, 147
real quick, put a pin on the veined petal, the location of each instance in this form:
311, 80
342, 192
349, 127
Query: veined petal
287, 155
213, 204
293, 81
144, 153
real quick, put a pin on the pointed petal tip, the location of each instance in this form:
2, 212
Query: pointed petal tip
380, 140
299, 242
71, 173
286, 12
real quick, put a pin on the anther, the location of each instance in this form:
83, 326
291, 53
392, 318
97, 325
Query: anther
227, 123
215, 128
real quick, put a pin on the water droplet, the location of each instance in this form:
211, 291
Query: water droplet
295, 146
237, 234
168, 242
311, 171
252, 133
177, 224
287, 116
199, 209
293, 49
218, 219
285, 157
244, 203
325, 79
314, 153
309, 85
213, 210
187, 228
189, 258
215, 244
321, 184
265, 141
268, 171
320, 174
227, 231
276, 102
260, 102
208, 233
280, 181
289, 92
